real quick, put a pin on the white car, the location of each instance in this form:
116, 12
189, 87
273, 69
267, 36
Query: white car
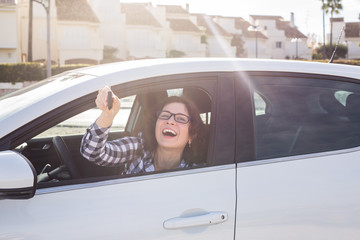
282, 161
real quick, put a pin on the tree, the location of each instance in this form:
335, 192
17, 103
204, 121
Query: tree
109, 54
341, 52
332, 6
237, 42
175, 54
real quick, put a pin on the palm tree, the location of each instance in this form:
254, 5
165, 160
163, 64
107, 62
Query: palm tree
323, 7
29, 59
332, 6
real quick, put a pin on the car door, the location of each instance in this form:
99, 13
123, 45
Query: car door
195, 203
301, 181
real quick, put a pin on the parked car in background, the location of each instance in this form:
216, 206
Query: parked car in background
282, 159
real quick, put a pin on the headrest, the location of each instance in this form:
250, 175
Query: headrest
199, 97
151, 100
353, 107
330, 104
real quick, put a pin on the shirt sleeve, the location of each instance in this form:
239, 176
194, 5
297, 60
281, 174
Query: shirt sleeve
95, 147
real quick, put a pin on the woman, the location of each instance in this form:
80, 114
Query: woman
172, 141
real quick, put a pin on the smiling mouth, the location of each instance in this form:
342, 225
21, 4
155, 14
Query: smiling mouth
169, 133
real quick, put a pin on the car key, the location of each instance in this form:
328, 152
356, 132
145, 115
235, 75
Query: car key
110, 100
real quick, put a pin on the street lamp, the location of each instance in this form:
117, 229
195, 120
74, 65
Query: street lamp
255, 28
324, 46
46, 5
347, 48
296, 39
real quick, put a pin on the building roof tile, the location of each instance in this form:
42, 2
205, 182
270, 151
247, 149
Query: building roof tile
265, 17
212, 28
352, 30
290, 32
240, 23
183, 25
174, 9
137, 14
78, 10
339, 19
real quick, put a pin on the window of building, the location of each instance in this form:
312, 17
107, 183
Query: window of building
278, 44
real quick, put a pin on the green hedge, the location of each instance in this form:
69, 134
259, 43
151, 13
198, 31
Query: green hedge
20, 72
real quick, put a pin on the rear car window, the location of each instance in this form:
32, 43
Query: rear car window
307, 115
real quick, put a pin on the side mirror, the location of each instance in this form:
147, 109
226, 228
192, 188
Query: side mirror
17, 176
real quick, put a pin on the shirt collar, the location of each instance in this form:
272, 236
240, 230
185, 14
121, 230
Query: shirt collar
150, 167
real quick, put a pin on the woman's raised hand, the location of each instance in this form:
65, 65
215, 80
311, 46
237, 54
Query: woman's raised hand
107, 116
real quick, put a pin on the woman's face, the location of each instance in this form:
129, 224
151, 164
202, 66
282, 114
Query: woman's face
171, 134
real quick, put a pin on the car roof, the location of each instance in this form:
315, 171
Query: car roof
168, 66
66, 87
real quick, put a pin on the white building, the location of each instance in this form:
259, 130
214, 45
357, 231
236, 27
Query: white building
75, 35
285, 41
253, 41
112, 23
350, 37
82, 30
9, 40
185, 37
145, 34
218, 40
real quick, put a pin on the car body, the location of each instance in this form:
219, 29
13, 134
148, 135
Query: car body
281, 162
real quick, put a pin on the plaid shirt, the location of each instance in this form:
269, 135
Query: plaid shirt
127, 151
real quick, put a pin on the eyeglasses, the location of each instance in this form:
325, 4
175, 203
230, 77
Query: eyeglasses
179, 117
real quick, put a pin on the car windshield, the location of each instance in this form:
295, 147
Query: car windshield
39, 84
21, 98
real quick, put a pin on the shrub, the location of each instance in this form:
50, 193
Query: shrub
175, 54
21, 72
341, 52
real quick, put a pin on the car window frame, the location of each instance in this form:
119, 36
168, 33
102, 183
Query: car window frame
216, 84
244, 79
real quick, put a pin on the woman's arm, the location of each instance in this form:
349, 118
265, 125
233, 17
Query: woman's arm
94, 145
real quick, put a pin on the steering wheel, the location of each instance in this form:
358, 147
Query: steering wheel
65, 156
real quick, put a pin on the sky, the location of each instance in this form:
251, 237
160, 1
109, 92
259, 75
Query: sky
308, 13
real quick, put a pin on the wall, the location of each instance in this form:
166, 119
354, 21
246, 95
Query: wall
143, 42
219, 46
188, 43
9, 35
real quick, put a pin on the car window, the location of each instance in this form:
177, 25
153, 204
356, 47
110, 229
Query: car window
306, 116
79, 123
341, 96
259, 104
137, 108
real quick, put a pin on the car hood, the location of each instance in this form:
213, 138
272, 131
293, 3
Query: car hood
31, 102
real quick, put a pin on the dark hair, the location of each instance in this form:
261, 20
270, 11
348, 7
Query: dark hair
196, 153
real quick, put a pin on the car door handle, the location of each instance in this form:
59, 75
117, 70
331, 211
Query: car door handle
209, 218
